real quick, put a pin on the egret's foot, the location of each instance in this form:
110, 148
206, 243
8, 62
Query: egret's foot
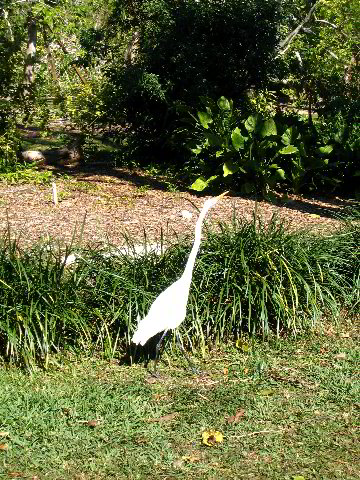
154, 373
196, 371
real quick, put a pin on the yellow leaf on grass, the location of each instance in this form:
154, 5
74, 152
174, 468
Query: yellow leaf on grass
4, 446
212, 437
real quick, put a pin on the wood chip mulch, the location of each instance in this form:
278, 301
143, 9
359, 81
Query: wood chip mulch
111, 206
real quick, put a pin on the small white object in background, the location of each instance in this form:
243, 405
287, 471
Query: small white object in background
54, 194
186, 214
32, 156
135, 250
69, 260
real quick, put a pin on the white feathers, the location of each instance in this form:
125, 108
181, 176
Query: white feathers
186, 214
168, 310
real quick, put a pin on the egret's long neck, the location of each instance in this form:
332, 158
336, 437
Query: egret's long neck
192, 257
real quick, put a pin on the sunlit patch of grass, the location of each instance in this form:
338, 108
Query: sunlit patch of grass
297, 398
27, 174
82, 186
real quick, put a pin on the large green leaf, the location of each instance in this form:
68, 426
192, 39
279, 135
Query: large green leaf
248, 187
205, 119
237, 139
224, 104
229, 168
213, 139
290, 135
268, 128
281, 173
290, 149
251, 123
326, 149
201, 183
196, 150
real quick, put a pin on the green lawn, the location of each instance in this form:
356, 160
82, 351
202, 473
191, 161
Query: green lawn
297, 405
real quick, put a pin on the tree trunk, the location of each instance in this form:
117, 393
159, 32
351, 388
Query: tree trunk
29, 79
50, 60
130, 53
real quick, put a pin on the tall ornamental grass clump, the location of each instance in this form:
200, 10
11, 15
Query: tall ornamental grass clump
249, 276
264, 277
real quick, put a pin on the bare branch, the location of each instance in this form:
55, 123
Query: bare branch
292, 35
327, 23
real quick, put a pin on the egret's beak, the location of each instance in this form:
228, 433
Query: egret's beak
222, 195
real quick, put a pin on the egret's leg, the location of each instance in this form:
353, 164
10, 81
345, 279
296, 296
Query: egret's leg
158, 346
191, 364
133, 356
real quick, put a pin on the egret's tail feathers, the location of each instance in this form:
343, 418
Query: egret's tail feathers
146, 329
141, 336
137, 335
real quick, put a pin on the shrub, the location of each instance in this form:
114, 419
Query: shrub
249, 276
187, 49
252, 152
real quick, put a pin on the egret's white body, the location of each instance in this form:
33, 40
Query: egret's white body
169, 309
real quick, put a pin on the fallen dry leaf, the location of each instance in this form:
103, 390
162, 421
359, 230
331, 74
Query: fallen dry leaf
266, 392
179, 463
165, 418
340, 356
4, 446
329, 332
246, 371
226, 371
16, 474
92, 423
345, 335
4, 434
239, 415
190, 458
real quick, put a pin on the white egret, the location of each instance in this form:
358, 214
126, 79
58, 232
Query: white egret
168, 310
